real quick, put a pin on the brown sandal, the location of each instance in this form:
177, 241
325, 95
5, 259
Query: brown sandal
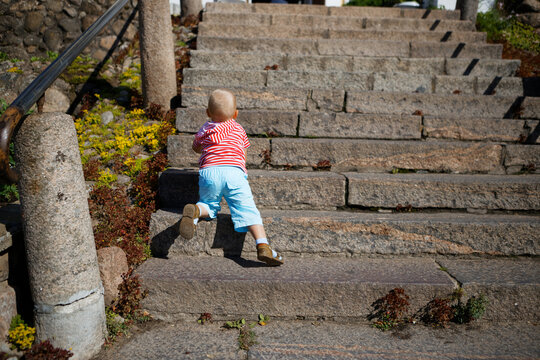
264, 254
187, 227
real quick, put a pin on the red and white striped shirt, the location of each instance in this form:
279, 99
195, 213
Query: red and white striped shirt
223, 144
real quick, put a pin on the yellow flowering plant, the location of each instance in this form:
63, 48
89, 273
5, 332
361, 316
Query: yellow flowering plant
20, 335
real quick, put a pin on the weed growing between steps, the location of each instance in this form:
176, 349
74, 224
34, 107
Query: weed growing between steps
390, 311
246, 335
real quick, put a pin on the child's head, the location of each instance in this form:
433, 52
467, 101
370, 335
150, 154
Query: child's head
221, 106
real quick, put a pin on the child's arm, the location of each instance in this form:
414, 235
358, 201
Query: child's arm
197, 147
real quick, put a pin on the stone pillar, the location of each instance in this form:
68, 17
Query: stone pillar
191, 7
468, 8
62, 261
157, 53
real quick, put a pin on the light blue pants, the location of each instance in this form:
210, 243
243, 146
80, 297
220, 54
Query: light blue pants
230, 182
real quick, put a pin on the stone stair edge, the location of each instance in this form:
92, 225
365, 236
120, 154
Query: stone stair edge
367, 48
324, 189
283, 32
289, 8
322, 287
395, 81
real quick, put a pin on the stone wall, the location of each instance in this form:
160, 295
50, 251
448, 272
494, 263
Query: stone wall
33, 27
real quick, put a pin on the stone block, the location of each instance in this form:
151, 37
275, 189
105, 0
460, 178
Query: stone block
326, 100
506, 86
325, 233
370, 48
181, 154
255, 122
271, 189
326, 22
4, 266
319, 79
510, 286
250, 32
112, 265
455, 50
55, 101
445, 191
8, 307
238, 19
318, 63
280, 46
418, 24
307, 287
365, 12
530, 108
475, 129
234, 61
363, 126
481, 67
430, 104
457, 85
522, 155
402, 82
379, 155
224, 78
237, 8
261, 98
429, 14
408, 35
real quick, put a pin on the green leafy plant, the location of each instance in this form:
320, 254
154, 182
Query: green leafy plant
3, 56
492, 23
522, 36
46, 351
263, 319
474, 309
235, 324
246, 338
116, 325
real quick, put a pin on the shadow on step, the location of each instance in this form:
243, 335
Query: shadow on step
211, 235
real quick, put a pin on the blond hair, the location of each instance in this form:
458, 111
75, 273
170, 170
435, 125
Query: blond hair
221, 105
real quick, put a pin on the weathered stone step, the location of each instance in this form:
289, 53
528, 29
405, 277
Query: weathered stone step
361, 81
360, 11
368, 126
293, 32
271, 189
339, 22
384, 156
444, 191
325, 233
369, 102
369, 48
429, 66
328, 190
344, 289
330, 233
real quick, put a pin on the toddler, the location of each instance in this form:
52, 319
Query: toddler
222, 173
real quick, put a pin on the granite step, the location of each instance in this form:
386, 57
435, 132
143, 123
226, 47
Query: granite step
360, 11
285, 32
343, 47
329, 288
366, 126
370, 102
338, 22
359, 81
345, 233
329, 190
374, 155
429, 66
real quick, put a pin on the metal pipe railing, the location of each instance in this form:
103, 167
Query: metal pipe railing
33, 92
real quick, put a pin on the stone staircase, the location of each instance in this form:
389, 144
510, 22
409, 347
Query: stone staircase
390, 147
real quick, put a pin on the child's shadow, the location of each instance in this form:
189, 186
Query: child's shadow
225, 238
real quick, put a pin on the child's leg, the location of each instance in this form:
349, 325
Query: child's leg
210, 193
246, 216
